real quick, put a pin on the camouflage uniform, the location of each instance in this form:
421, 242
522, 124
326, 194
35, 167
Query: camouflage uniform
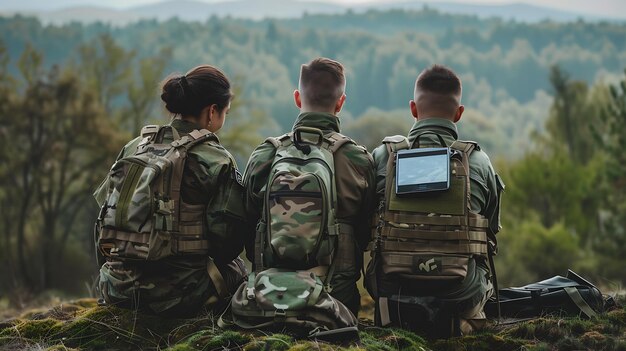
180, 285
485, 187
354, 176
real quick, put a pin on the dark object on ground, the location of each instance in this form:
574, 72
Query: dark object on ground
566, 296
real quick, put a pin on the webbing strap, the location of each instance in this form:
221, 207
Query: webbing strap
383, 310
319, 271
108, 233
393, 232
454, 248
408, 261
217, 278
179, 244
413, 218
573, 294
337, 141
271, 313
196, 229
182, 246
259, 242
315, 295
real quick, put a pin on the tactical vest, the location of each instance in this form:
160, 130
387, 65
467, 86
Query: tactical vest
429, 237
144, 216
299, 229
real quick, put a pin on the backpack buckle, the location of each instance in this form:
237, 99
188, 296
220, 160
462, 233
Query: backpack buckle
280, 316
250, 293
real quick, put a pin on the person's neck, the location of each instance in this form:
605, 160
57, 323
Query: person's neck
306, 110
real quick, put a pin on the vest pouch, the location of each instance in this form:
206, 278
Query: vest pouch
425, 266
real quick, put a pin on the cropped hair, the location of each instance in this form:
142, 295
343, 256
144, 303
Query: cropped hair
202, 86
438, 79
322, 82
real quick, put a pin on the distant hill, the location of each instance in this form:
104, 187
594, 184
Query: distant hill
193, 10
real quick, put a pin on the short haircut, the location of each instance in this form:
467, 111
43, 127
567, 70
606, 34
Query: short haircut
438, 89
322, 83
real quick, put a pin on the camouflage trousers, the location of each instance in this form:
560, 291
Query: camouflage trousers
174, 287
432, 310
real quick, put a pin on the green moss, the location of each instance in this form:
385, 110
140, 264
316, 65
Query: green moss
227, 339
181, 347
278, 342
312, 346
391, 339
580, 326
37, 330
480, 342
568, 344
617, 317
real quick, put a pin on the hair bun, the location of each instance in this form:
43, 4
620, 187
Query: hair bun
174, 95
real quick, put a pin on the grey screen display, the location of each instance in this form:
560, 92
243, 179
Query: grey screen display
423, 169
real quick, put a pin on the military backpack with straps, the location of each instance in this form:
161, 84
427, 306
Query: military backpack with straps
430, 237
297, 239
427, 240
144, 216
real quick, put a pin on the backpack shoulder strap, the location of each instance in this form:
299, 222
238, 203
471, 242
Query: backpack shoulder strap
396, 142
278, 141
465, 146
194, 138
337, 140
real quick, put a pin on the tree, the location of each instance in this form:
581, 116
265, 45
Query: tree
611, 137
60, 141
142, 91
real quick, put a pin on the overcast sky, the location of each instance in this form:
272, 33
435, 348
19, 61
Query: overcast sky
595, 7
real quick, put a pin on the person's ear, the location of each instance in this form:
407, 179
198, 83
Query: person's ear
297, 98
204, 117
459, 113
339, 103
413, 107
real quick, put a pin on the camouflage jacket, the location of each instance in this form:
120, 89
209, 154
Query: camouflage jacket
354, 177
485, 185
210, 177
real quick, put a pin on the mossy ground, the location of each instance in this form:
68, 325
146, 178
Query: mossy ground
82, 325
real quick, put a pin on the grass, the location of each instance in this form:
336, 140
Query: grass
82, 325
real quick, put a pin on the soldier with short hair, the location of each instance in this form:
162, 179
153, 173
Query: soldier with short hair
439, 242
320, 97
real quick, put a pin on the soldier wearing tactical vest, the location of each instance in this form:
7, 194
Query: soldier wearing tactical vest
170, 228
432, 249
320, 96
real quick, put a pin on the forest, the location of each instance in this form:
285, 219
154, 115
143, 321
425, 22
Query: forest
547, 101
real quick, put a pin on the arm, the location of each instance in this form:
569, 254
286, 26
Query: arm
254, 180
356, 182
486, 189
213, 175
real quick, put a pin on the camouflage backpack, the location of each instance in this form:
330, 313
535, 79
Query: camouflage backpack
143, 216
296, 238
427, 240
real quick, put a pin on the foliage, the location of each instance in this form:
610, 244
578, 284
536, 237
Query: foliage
504, 65
81, 324
58, 140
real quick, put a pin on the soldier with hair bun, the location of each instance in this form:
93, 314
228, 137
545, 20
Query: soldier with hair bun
188, 255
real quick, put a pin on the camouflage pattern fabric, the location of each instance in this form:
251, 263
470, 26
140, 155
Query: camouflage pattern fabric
354, 179
299, 204
288, 299
180, 285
